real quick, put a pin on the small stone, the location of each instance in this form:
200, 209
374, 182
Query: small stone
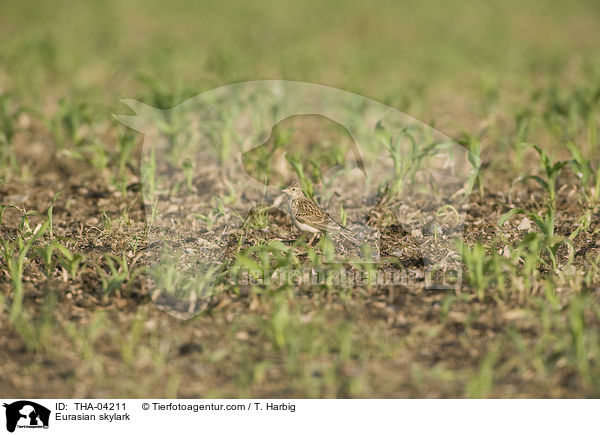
514, 315
416, 233
24, 121
524, 225
16, 198
242, 335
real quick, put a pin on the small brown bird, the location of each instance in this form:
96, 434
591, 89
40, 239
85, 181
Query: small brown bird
309, 217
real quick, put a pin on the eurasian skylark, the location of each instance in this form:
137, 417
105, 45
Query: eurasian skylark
309, 217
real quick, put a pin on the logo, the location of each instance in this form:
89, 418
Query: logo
25, 414
214, 167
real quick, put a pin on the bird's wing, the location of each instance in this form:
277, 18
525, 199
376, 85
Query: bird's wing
311, 214
336, 222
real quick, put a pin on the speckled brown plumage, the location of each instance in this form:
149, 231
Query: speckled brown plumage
308, 216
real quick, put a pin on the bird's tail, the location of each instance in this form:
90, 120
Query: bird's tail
347, 234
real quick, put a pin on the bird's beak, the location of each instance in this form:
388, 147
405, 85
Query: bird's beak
286, 190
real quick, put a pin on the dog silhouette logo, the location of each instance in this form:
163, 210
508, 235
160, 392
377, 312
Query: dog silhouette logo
26, 414
213, 169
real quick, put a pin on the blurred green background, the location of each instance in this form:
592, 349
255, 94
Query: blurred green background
397, 52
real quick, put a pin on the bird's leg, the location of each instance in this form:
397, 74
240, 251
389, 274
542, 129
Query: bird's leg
312, 238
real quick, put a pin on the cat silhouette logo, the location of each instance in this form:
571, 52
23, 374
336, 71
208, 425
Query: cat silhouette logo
25, 414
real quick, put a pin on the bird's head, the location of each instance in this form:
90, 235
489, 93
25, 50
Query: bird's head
293, 190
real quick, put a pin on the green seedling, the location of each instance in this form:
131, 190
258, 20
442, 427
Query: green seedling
343, 215
220, 211
14, 254
153, 201
188, 170
217, 211
98, 156
131, 340
592, 273
8, 128
583, 224
546, 221
546, 224
573, 113
9, 115
483, 269
524, 120
588, 176
149, 175
473, 144
260, 162
125, 211
527, 253
261, 261
209, 219
193, 285
118, 273
120, 161
552, 171
407, 151
106, 222
134, 245
481, 385
70, 123
38, 332
46, 254
49, 215
577, 329
221, 136
258, 217
298, 166
70, 261
84, 338
126, 143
